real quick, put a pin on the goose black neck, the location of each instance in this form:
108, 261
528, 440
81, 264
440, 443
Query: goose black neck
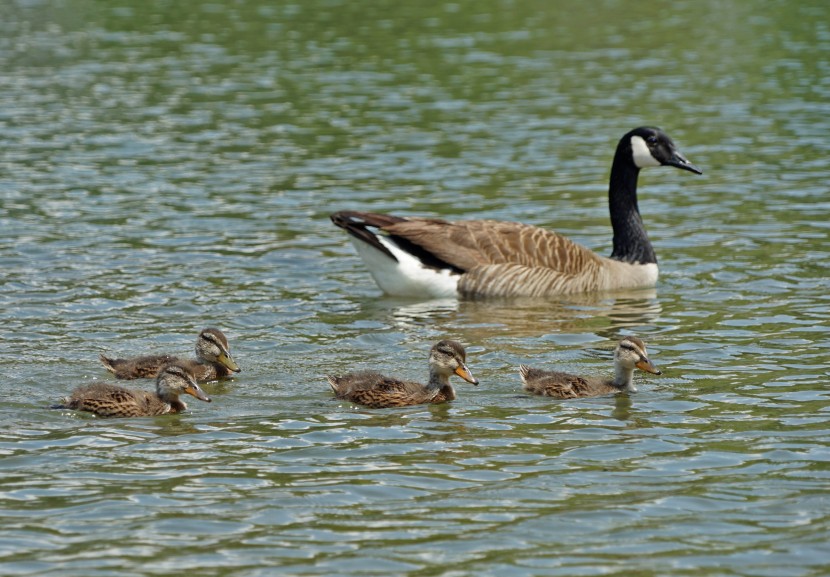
631, 243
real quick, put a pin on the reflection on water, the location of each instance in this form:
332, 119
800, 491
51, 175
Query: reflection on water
170, 166
531, 318
622, 407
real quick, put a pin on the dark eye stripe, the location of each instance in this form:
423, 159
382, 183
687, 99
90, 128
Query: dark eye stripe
215, 340
630, 347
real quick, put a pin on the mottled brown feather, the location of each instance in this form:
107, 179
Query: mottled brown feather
148, 367
374, 390
144, 367
106, 400
564, 385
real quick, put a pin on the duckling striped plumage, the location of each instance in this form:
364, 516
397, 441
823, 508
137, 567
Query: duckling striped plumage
630, 354
374, 390
107, 400
213, 360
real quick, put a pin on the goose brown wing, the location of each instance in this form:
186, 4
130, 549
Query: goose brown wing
471, 243
503, 258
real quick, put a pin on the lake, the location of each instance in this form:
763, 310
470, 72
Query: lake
171, 166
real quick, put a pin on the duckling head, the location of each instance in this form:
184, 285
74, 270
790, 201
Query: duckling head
449, 357
631, 353
212, 346
175, 380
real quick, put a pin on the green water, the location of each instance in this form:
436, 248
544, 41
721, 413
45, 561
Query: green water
170, 166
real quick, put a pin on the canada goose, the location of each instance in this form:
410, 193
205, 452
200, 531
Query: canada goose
429, 257
213, 360
107, 400
376, 391
630, 354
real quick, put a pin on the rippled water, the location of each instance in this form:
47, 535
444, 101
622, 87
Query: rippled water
166, 167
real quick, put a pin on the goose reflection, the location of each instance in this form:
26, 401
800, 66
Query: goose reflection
477, 320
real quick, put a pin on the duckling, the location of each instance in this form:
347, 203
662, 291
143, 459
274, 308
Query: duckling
107, 400
630, 354
376, 391
213, 360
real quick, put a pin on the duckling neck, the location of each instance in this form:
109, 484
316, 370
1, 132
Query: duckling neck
631, 243
440, 383
624, 378
172, 400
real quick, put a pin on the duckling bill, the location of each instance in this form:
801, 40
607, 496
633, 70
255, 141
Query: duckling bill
107, 400
629, 354
375, 390
213, 360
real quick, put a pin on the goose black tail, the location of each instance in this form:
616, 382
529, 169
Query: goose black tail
359, 225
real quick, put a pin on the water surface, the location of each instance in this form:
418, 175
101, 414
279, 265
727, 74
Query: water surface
170, 167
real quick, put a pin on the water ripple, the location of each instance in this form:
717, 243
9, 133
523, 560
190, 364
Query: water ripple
166, 168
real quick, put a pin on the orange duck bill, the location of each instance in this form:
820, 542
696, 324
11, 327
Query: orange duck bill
463, 372
647, 366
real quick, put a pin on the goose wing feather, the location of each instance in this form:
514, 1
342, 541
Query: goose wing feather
504, 258
469, 243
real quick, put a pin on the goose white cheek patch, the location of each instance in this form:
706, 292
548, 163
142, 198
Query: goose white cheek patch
642, 155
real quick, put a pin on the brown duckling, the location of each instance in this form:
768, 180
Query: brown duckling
630, 354
213, 360
107, 400
375, 390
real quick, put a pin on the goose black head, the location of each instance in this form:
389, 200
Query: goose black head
652, 147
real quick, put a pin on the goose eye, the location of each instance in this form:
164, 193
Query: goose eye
652, 139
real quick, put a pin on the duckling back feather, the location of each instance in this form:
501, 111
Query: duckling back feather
107, 400
375, 390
